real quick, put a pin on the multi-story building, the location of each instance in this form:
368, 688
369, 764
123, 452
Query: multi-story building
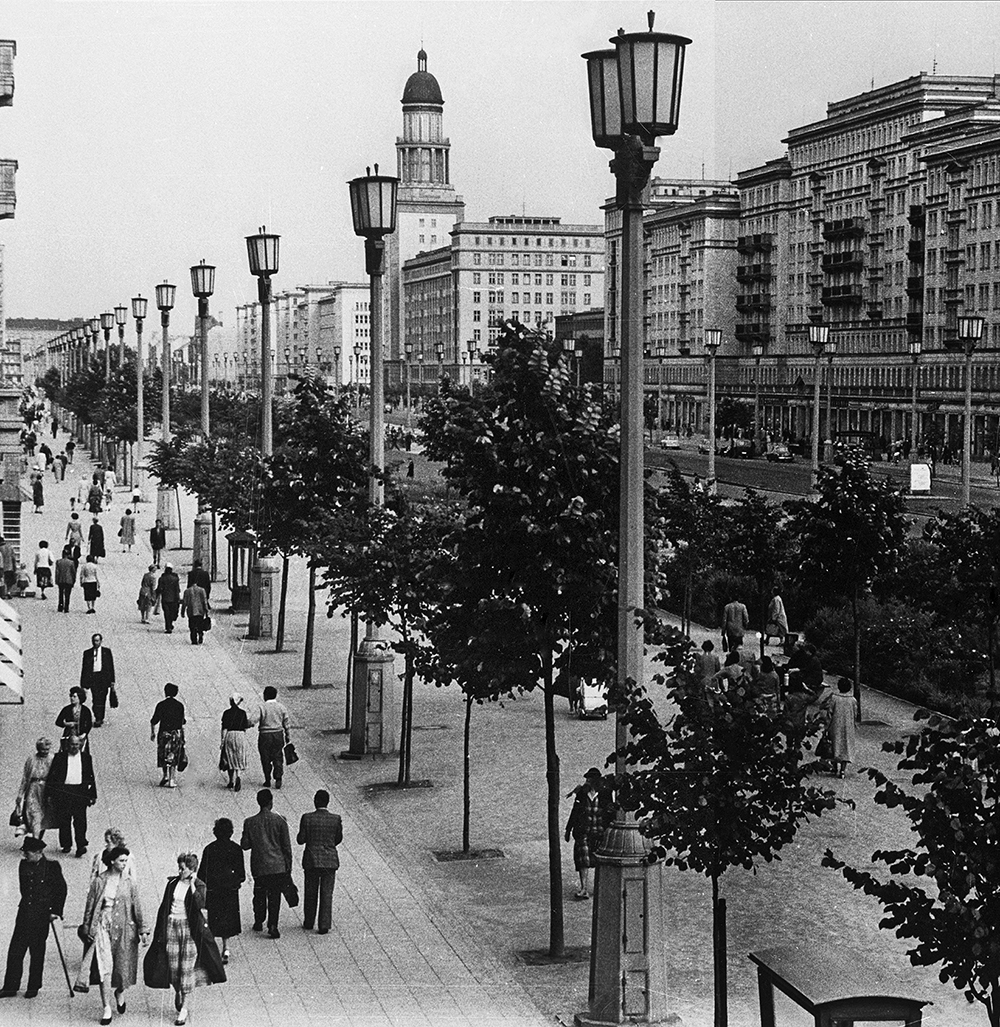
343, 340
527, 268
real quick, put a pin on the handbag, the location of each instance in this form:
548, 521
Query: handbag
290, 890
182, 758
222, 761
291, 756
113, 698
206, 623
98, 593
156, 965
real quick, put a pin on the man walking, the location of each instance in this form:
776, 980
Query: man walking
199, 576
97, 674
272, 735
735, 621
43, 895
157, 540
320, 832
168, 589
8, 560
69, 789
265, 835
65, 578
194, 605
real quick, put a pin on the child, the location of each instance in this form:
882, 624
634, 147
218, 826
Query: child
23, 580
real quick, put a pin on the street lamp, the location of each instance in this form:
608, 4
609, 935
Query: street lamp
819, 335
970, 331
829, 350
121, 316
757, 350
138, 313
262, 252
635, 94
319, 359
712, 341
165, 294
472, 347
439, 352
408, 349
373, 209
107, 323
288, 364
338, 378
203, 285
915, 348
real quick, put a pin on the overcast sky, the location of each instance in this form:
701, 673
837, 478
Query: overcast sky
153, 133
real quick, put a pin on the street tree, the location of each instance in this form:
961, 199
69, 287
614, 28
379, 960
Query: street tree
954, 770
852, 533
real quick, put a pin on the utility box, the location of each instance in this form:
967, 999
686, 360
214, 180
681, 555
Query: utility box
263, 575
242, 553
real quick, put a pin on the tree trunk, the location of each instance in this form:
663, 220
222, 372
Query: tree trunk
857, 654
307, 656
557, 934
350, 670
279, 638
466, 775
719, 956
406, 725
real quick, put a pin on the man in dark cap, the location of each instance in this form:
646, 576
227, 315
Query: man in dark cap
43, 895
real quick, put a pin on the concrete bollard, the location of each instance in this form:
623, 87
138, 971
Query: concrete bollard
263, 576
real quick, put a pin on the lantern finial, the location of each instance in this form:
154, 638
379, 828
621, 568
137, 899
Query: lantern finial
376, 169
368, 172
650, 16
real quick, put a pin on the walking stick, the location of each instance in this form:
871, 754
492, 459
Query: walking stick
62, 958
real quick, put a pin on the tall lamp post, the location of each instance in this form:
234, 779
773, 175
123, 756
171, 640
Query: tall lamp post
757, 349
439, 353
107, 323
373, 208
634, 97
121, 316
203, 285
472, 347
915, 349
165, 294
970, 332
819, 335
357, 374
139, 305
408, 350
338, 378
829, 349
713, 339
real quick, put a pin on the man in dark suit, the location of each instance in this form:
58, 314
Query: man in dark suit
266, 836
320, 832
43, 895
98, 675
69, 789
199, 576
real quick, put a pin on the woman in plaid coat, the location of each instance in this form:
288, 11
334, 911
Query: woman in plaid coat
587, 823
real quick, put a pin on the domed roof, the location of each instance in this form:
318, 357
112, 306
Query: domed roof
422, 87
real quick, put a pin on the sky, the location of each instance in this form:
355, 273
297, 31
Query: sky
152, 134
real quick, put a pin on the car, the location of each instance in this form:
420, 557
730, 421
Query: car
781, 453
670, 442
740, 448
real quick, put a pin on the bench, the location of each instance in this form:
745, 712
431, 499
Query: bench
835, 986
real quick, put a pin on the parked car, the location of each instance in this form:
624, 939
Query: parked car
781, 453
741, 448
670, 442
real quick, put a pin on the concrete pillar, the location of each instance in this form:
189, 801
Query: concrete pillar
372, 700
263, 576
202, 545
166, 507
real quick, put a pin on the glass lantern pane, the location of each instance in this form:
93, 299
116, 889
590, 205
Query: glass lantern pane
644, 82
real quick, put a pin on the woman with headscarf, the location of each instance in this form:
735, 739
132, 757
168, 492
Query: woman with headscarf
233, 754
223, 870
30, 801
587, 823
169, 715
147, 594
76, 718
114, 923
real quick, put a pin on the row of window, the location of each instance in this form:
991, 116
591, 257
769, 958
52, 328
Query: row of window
519, 260
526, 242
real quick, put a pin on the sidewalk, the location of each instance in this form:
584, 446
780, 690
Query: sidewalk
397, 954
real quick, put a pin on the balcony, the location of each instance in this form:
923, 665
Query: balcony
753, 302
753, 332
917, 215
8, 199
843, 228
915, 285
954, 256
915, 250
8, 50
748, 244
754, 272
848, 260
874, 310
836, 295
955, 216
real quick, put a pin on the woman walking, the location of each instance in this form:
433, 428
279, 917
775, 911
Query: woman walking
43, 567
183, 954
114, 924
223, 871
147, 594
233, 756
37, 490
776, 622
96, 539
95, 496
587, 822
76, 720
30, 802
126, 531
169, 715
842, 728
91, 582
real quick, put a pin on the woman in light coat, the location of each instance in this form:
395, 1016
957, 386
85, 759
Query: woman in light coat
113, 920
776, 623
30, 802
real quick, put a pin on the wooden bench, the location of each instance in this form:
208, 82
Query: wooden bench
835, 986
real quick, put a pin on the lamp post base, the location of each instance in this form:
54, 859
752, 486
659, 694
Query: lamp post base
166, 510
372, 720
262, 576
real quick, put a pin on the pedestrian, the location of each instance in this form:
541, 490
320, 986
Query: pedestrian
55, 427
842, 728
169, 715
183, 954
46, 453
157, 540
74, 534
767, 687
113, 923
194, 605
126, 531
69, 790
265, 836
37, 490
168, 592
199, 576
65, 578
100, 476
95, 497
95, 538
706, 663
732, 676
8, 560
75, 718
70, 449
409, 469
23, 582
273, 735
735, 622
43, 896
776, 620
113, 837
147, 594
110, 484
320, 832
90, 581
223, 870
30, 802
62, 460
97, 676
233, 747
43, 568
588, 820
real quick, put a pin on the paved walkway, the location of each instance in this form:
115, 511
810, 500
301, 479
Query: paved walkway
397, 954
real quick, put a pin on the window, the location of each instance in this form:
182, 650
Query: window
548, 298
984, 256
477, 315
477, 334
513, 298
538, 299
548, 279
549, 259
421, 239
586, 299
476, 298
586, 258
586, 281
476, 277
492, 278
538, 279
477, 258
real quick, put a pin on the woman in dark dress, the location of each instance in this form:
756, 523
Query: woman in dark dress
169, 715
96, 539
76, 718
223, 871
